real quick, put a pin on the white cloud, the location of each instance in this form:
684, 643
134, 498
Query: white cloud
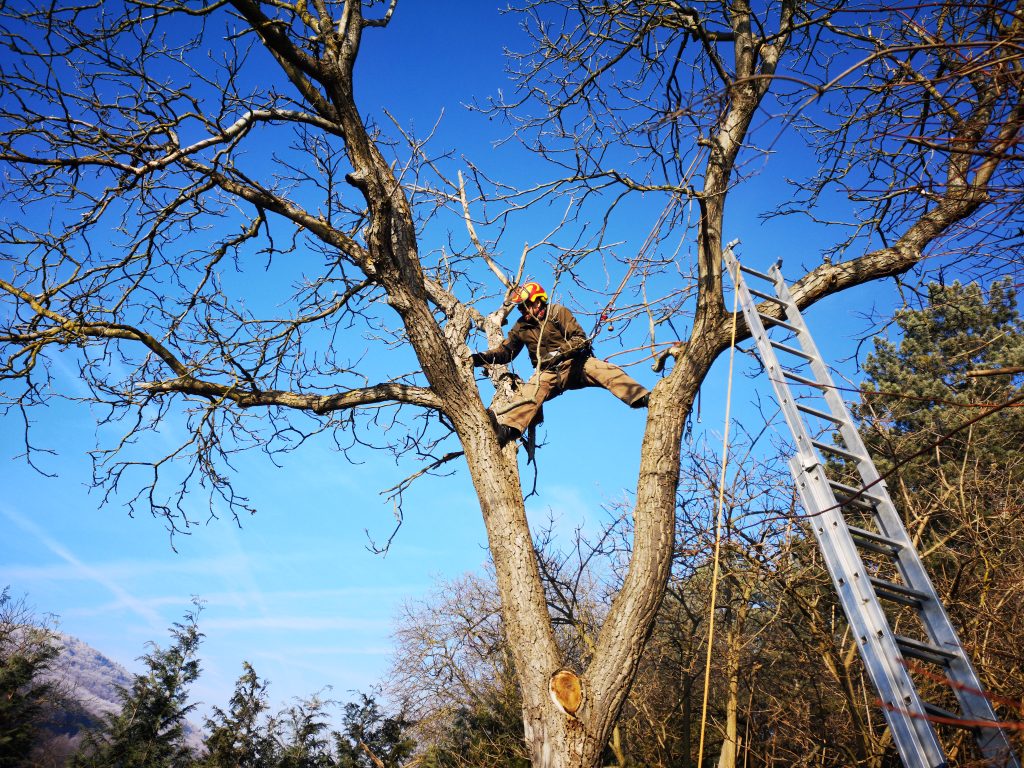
567, 505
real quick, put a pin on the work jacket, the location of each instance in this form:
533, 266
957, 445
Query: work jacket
552, 340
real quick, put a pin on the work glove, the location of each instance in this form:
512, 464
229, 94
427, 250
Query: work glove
555, 359
582, 349
551, 361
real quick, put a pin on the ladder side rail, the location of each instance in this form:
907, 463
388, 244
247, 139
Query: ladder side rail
887, 518
804, 446
890, 523
904, 711
966, 683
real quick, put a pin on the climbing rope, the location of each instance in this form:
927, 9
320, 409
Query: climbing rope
718, 532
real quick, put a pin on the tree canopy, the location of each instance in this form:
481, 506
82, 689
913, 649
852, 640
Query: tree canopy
961, 330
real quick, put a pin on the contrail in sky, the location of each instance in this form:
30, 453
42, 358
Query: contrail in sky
139, 607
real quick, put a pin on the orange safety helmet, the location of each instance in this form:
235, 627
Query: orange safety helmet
528, 292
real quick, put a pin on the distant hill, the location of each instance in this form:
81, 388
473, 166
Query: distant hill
90, 681
92, 678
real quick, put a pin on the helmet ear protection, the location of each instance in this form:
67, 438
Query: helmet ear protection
528, 292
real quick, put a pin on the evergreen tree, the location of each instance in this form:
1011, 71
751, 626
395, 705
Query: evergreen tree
149, 730
959, 330
240, 736
366, 727
26, 652
302, 733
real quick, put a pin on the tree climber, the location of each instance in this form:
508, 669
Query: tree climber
562, 356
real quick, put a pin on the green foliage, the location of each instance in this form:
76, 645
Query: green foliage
300, 736
149, 730
303, 735
240, 736
26, 653
490, 733
960, 329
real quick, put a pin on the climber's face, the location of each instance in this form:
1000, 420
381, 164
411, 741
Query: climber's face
537, 309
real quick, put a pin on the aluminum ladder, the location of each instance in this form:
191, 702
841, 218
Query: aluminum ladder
874, 560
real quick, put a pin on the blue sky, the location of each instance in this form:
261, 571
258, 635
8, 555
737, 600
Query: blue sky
295, 590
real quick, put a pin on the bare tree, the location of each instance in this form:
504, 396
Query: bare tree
453, 675
140, 201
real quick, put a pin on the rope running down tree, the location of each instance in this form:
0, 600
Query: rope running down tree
718, 531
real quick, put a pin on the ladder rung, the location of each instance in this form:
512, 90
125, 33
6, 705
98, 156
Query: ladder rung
871, 546
766, 296
899, 593
948, 718
924, 651
804, 380
819, 414
856, 503
838, 451
775, 321
958, 721
875, 541
859, 493
792, 350
755, 273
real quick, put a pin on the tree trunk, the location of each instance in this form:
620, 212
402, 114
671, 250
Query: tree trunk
687, 748
734, 642
727, 757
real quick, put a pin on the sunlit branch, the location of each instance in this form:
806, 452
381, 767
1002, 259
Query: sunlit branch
246, 398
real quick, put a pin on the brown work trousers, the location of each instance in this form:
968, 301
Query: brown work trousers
573, 374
